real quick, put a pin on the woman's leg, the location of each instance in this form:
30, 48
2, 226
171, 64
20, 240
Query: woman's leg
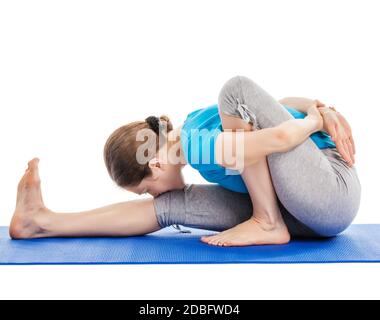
203, 206
266, 225
199, 206
211, 207
315, 185
33, 220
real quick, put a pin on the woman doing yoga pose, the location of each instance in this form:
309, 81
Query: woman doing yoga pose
278, 169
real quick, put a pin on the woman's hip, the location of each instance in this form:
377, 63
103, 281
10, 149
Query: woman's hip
327, 200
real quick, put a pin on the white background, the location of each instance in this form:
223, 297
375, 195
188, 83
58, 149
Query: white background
73, 71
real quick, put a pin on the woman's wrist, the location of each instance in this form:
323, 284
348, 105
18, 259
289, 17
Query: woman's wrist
315, 118
323, 109
315, 124
325, 112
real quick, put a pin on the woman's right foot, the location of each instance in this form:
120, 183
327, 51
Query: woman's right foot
30, 208
252, 232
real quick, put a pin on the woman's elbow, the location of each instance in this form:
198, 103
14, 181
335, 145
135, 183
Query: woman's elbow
282, 140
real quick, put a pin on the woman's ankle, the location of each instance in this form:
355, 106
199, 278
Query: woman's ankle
44, 223
271, 219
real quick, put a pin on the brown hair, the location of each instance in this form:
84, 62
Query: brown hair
121, 148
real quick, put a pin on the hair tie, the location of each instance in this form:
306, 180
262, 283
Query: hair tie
154, 124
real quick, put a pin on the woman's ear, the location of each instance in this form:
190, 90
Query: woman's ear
155, 166
154, 163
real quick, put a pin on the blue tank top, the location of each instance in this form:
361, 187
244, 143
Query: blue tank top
198, 138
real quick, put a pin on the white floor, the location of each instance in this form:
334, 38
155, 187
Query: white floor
334, 281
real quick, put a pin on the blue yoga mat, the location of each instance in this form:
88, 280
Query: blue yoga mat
360, 243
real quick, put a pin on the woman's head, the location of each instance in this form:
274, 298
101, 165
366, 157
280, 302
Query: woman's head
131, 155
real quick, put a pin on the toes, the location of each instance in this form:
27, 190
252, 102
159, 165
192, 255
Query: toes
222, 242
212, 243
222, 238
204, 239
32, 174
228, 244
30, 179
33, 163
215, 241
219, 240
209, 238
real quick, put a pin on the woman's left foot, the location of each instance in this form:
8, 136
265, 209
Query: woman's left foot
249, 233
30, 208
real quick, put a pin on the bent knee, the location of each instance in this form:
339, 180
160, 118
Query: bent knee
334, 227
233, 87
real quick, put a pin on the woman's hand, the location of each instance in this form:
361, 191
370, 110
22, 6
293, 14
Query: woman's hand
314, 113
336, 125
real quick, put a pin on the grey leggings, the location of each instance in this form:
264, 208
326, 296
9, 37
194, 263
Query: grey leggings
318, 193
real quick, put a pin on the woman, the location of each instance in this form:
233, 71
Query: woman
271, 184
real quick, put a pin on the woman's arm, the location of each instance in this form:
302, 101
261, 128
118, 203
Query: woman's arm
299, 103
334, 124
239, 150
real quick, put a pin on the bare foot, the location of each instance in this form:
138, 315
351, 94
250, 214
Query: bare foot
251, 232
30, 206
